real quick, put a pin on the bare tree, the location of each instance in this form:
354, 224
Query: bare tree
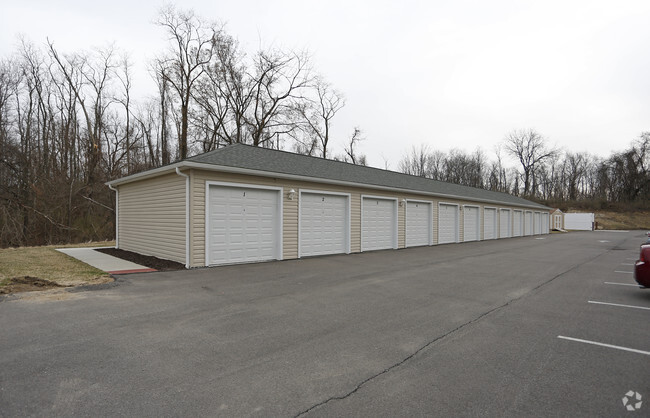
463, 168
530, 149
192, 44
318, 113
125, 79
628, 172
417, 162
278, 81
575, 166
233, 91
88, 77
158, 72
351, 155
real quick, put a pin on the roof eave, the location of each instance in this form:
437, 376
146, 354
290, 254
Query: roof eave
154, 172
252, 172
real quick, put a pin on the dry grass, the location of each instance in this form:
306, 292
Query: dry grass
47, 263
623, 220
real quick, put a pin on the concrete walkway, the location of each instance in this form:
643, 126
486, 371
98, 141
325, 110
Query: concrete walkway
105, 262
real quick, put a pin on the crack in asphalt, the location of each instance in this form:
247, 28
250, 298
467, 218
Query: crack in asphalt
440, 337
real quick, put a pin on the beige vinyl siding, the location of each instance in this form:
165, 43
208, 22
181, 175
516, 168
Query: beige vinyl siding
355, 222
289, 225
401, 224
290, 210
152, 217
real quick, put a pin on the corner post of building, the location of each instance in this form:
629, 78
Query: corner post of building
117, 215
187, 216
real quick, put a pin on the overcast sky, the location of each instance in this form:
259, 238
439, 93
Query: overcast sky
451, 74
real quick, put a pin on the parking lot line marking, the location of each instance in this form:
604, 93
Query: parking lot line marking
618, 304
618, 347
627, 264
626, 272
623, 284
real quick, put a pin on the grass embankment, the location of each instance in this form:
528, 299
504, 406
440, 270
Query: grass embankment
623, 220
33, 268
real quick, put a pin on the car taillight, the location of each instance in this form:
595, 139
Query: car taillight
642, 256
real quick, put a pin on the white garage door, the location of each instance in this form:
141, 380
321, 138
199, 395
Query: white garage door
528, 223
378, 224
418, 223
243, 225
537, 223
471, 223
504, 223
517, 223
489, 223
324, 224
544, 223
447, 223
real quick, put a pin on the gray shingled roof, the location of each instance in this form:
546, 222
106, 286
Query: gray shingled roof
273, 161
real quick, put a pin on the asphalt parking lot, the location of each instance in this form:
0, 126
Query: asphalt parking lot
547, 325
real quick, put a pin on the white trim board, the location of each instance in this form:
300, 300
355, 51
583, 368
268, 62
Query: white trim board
457, 229
279, 240
396, 218
348, 238
406, 214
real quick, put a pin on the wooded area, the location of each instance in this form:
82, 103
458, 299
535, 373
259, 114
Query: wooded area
551, 176
69, 122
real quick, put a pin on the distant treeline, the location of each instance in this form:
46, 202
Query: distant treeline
69, 123
552, 176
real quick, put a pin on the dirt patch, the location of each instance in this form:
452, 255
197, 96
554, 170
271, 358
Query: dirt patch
27, 284
144, 260
623, 220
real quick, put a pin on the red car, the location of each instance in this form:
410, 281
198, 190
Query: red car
642, 267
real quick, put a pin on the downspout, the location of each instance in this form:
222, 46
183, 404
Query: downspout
187, 216
117, 216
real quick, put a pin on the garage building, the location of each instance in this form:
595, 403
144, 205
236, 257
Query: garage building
242, 204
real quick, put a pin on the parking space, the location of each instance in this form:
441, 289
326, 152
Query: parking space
618, 304
469, 329
554, 352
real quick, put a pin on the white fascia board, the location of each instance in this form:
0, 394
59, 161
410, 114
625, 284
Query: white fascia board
155, 172
251, 172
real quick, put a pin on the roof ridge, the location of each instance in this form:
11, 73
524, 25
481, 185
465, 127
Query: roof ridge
280, 161
321, 159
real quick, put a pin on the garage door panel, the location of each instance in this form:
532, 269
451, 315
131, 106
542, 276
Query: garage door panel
504, 223
323, 224
447, 223
489, 223
418, 224
528, 223
517, 222
378, 224
471, 224
244, 224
